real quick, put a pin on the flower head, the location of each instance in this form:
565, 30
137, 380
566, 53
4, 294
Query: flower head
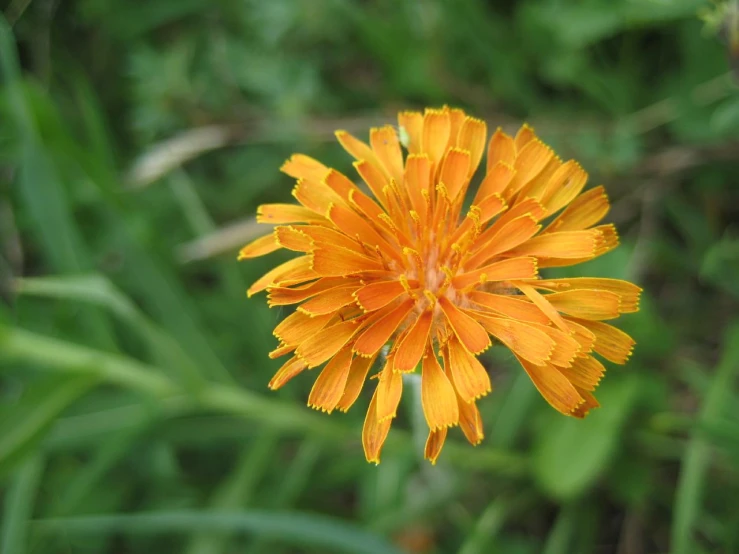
402, 263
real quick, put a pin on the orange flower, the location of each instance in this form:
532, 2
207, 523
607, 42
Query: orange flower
405, 266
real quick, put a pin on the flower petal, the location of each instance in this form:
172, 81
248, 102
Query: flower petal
530, 161
299, 327
437, 127
417, 180
586, 304
455, 171
329, 386
610, 342
374, 178
412, 345
389, 391
628, 292
564, 244
506, 239
374, 432
585, 372
470, 421
327, 342
470, 379
522, 339
589, 402
496, 181
509, 305
470, 333
282, 296
291, 272
376, 335
585, 211
523, 136
336, 262
301, 166
471, 137
287, 213
500, 149
412, 124
259, 247
553, 386
385, 144
293, 238
356, 148
504, 270
438, 399
378, 295
290, 369
329, 301
566, 183
354, 383
434, 444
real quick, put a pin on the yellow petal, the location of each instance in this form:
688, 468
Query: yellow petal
524, 135
438, 398
509, 305
356, 148
335, 262
293, 238
530, 162
586, 304
516, 233
378, 295
470, 421
374, 178
316, 196
583, 212
329, 386
565, 244
470, 379
585, 372
566, 183
417, 180
455, 172
589, 403
504, 270
610, 342
282, 296
374, 432
496, 181
628, 292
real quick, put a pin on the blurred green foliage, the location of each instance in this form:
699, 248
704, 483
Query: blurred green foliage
137, 138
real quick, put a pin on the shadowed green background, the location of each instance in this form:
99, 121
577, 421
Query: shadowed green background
137, 139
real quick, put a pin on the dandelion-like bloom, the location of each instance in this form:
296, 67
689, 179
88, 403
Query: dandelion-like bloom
406, 265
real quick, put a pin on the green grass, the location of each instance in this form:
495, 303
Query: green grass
137, 139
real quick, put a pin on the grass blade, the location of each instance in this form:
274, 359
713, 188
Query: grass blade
19, 507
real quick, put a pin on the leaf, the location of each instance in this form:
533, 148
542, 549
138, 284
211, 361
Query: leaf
24, 423
299, 529
18, 508
570, 454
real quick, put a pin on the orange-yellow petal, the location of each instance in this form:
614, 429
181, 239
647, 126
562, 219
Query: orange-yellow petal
470, 421
329, 386
282, 296
299, 327
412, 124
438, 398
357, 376
514, 233
376, 335
589, 403
329, 301
378, 295
553, 386
564, 244
504, 270
389, 391
291, 272
327, 342
585, 372
509, 305
455, 171
628, 292
523, 136
500, 149
290, 369
584, 211
316, 196
385, 144
470, 379
287, 213
335, 262
469, 332
412, 345
434, 444
356, 148
610, 342
471, 138
496, 181
586, 304
437, 127
566, 183
530, 161
259, 247
543, 304
301, 166
293, 238
374, 178
374, 432
525, 340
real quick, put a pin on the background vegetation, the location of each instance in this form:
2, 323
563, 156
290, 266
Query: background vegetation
137, 138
